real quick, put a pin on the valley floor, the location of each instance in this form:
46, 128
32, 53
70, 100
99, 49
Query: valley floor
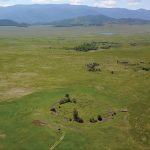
38, 68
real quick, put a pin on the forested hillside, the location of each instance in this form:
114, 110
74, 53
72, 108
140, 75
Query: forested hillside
6, 22
90, 20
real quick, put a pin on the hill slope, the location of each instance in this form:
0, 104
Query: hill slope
85, 20
53, 12
6, 22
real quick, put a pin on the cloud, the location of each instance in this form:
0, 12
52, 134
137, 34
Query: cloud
112, 3
44, 1
6, 5
118, 0
6, 0
72, 2
132, 0
106, 4
75, 2
134, 3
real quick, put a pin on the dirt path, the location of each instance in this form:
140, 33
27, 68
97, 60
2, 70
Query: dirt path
63, 134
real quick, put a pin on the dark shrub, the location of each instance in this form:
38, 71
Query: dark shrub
68, 99
67, 95
99, 118
90, 120
75, 114
61, 101
93, 120
74, 100
53, 109
80, 120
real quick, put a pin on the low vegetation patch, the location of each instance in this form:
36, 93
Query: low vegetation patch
81, 111
135, 64
86, 47
91, 66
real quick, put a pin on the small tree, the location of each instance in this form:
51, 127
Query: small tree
93, 120
74, 100
80, 120
61, 101
75, 114
67, 95
99, 118
53, 109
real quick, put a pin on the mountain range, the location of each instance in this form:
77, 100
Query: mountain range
90, 20
53, 12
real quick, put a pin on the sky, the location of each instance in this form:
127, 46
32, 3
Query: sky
129, 4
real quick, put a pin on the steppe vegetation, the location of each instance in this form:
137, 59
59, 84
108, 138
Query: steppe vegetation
50, 100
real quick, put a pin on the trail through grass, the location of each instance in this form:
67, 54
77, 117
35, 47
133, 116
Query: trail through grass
63, 134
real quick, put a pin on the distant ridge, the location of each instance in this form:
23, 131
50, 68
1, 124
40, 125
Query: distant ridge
95, 20
7, 22
131, 21
86, 20
53, 12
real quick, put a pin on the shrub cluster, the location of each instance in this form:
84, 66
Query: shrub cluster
67, 99
93, 120
99, 118
80, 120
91, 66
86, 47
53, 109
73, 100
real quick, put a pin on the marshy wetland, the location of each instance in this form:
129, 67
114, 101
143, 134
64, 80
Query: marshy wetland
39, 66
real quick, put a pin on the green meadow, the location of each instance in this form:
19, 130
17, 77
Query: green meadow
36, 71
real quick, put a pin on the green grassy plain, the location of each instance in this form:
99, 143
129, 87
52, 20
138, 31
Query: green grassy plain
33, 78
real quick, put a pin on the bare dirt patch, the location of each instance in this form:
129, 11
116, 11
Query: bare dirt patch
56, 87
55, 105
3, 83
39, 123
2, 136
107, 119
65, 119
15, 93
99, 87
22, 75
